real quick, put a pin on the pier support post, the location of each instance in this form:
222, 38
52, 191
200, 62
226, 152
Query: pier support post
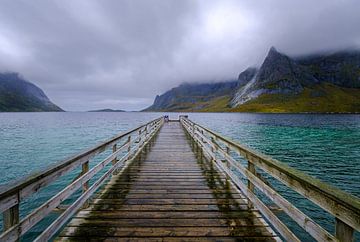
11, 217
85, 168
343, 232
85, 187
251, 168
129, 143
114, 148
227, 163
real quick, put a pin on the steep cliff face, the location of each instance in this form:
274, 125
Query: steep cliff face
341, 68
19, 95
192, 96
278, 74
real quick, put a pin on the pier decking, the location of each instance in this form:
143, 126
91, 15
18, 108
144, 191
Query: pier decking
174, 181
168, 193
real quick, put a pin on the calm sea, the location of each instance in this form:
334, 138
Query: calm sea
324, 146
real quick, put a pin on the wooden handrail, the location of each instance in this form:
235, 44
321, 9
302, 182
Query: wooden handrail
13, 230
11, 194
344, 206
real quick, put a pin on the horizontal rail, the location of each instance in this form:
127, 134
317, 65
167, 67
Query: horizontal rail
142, 134
343, 206
11, 195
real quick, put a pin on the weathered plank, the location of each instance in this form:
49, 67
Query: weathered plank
168, 192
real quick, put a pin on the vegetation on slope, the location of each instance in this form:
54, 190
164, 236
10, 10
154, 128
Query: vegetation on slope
322, 98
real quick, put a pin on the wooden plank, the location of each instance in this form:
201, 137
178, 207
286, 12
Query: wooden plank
167, 214
164, 222
171, 239
162, 204
91, 231
166, 201
279, 225
59, 222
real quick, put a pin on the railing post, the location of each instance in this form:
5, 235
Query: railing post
343, 232
139, 136
114, 148
85, 168
213, 144
251, 187
227, 162
129, 143
11, 217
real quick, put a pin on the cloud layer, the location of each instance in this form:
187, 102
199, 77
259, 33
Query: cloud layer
120, 54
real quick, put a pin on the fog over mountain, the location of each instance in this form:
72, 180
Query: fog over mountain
90, 55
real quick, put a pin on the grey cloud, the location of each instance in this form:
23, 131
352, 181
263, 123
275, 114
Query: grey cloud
120, 54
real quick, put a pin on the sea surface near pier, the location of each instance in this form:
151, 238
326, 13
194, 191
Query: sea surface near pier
326, 146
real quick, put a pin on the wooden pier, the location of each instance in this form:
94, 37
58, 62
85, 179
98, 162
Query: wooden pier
175, 181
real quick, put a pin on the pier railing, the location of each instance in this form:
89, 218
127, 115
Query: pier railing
125, 147
343, 206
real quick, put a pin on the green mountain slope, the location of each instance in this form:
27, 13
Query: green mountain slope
19, 95
192, 97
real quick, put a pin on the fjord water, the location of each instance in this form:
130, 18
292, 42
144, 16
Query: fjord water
324, 146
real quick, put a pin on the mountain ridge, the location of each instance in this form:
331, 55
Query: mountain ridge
310, 83
20, 95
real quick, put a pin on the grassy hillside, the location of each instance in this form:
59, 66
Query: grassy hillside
322, 98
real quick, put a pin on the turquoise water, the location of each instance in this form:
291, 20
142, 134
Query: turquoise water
324, 146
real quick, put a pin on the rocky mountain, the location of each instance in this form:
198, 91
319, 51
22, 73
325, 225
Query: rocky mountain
19, 95
107, 110
341, 68
278, 74
315, 83
193, 97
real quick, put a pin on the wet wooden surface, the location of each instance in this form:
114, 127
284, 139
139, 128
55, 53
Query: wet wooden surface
170, 193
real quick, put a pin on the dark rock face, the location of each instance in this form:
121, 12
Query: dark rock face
341, 68
277, 74
192, 94
246, 75
279, 68
17, 94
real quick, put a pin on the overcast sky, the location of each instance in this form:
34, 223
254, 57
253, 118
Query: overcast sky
88, 54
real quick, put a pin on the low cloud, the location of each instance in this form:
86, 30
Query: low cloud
120, 54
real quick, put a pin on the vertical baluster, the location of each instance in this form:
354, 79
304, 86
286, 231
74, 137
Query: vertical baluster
114, 148
227, 162
85, 168
213, 145
251, 168
139, 138
129, 143
343, 232
11, 218
85, 187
